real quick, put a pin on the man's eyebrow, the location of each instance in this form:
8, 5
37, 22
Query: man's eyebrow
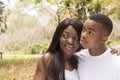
91, 29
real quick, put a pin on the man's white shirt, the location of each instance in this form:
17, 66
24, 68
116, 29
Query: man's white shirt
102, 67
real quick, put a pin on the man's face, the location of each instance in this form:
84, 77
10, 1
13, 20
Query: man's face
92, 34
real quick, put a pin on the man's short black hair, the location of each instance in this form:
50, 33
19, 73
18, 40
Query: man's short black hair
104, 20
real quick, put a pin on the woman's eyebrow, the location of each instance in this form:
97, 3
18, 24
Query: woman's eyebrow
65, 32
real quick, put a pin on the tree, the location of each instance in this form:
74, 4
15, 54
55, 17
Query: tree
81, 9
3, 25
76, 8
1, 10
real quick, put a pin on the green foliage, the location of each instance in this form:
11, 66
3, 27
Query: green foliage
37, 48
75, 8
113, 43
21, 0
96, 8
67, 2
81, 9
109, 42
37, 1
3, 25
115, 11
51, 1
1, 7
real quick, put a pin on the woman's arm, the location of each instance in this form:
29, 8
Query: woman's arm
40, 72
42, 66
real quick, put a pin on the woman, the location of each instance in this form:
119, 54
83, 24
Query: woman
60, 59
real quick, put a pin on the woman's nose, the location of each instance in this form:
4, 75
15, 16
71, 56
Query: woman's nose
70, 40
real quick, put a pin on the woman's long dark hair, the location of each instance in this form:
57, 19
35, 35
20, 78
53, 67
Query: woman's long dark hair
57, 64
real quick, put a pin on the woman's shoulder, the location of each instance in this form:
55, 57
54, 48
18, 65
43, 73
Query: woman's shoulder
42, 66
45, 58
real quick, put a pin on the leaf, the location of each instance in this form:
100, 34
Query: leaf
51, 1
37, 1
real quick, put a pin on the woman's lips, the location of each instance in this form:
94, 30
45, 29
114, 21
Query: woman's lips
69, 47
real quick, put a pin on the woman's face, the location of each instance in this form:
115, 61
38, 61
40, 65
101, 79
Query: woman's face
69, 41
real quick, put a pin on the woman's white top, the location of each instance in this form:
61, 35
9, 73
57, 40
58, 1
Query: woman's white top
71, 75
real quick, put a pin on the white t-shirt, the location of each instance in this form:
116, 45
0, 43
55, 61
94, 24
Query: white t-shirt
71, 75
103, 67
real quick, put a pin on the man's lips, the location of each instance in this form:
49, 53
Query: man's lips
82, 41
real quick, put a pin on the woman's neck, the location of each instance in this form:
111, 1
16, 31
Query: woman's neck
68, 66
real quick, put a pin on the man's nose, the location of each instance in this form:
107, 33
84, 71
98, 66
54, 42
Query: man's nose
83, 34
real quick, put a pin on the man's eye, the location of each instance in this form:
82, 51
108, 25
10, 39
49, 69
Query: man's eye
83, 30
65, 36
90, 32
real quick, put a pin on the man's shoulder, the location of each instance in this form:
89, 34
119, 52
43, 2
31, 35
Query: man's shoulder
83, 51
115, 60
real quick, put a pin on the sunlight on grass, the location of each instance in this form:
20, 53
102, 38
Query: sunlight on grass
11, 59
15, 52
18, 56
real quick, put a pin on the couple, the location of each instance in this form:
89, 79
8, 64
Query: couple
96, 62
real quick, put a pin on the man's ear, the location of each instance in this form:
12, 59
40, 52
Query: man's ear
105, 38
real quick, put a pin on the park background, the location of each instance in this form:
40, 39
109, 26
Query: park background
27, 27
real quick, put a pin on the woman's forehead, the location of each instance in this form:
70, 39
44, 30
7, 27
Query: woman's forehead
71, 30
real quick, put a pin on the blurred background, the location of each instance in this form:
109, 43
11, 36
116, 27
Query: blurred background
27, 27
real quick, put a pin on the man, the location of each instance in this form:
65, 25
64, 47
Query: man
96, 62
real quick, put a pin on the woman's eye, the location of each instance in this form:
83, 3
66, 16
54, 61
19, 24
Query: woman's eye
76, 38
65, 36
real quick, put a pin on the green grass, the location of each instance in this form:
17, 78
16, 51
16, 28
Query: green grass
14, 52
14, 59
18, 67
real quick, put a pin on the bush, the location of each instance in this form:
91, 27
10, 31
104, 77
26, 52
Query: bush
38, 48
113, 43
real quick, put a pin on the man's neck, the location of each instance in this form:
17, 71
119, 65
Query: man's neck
97, 51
